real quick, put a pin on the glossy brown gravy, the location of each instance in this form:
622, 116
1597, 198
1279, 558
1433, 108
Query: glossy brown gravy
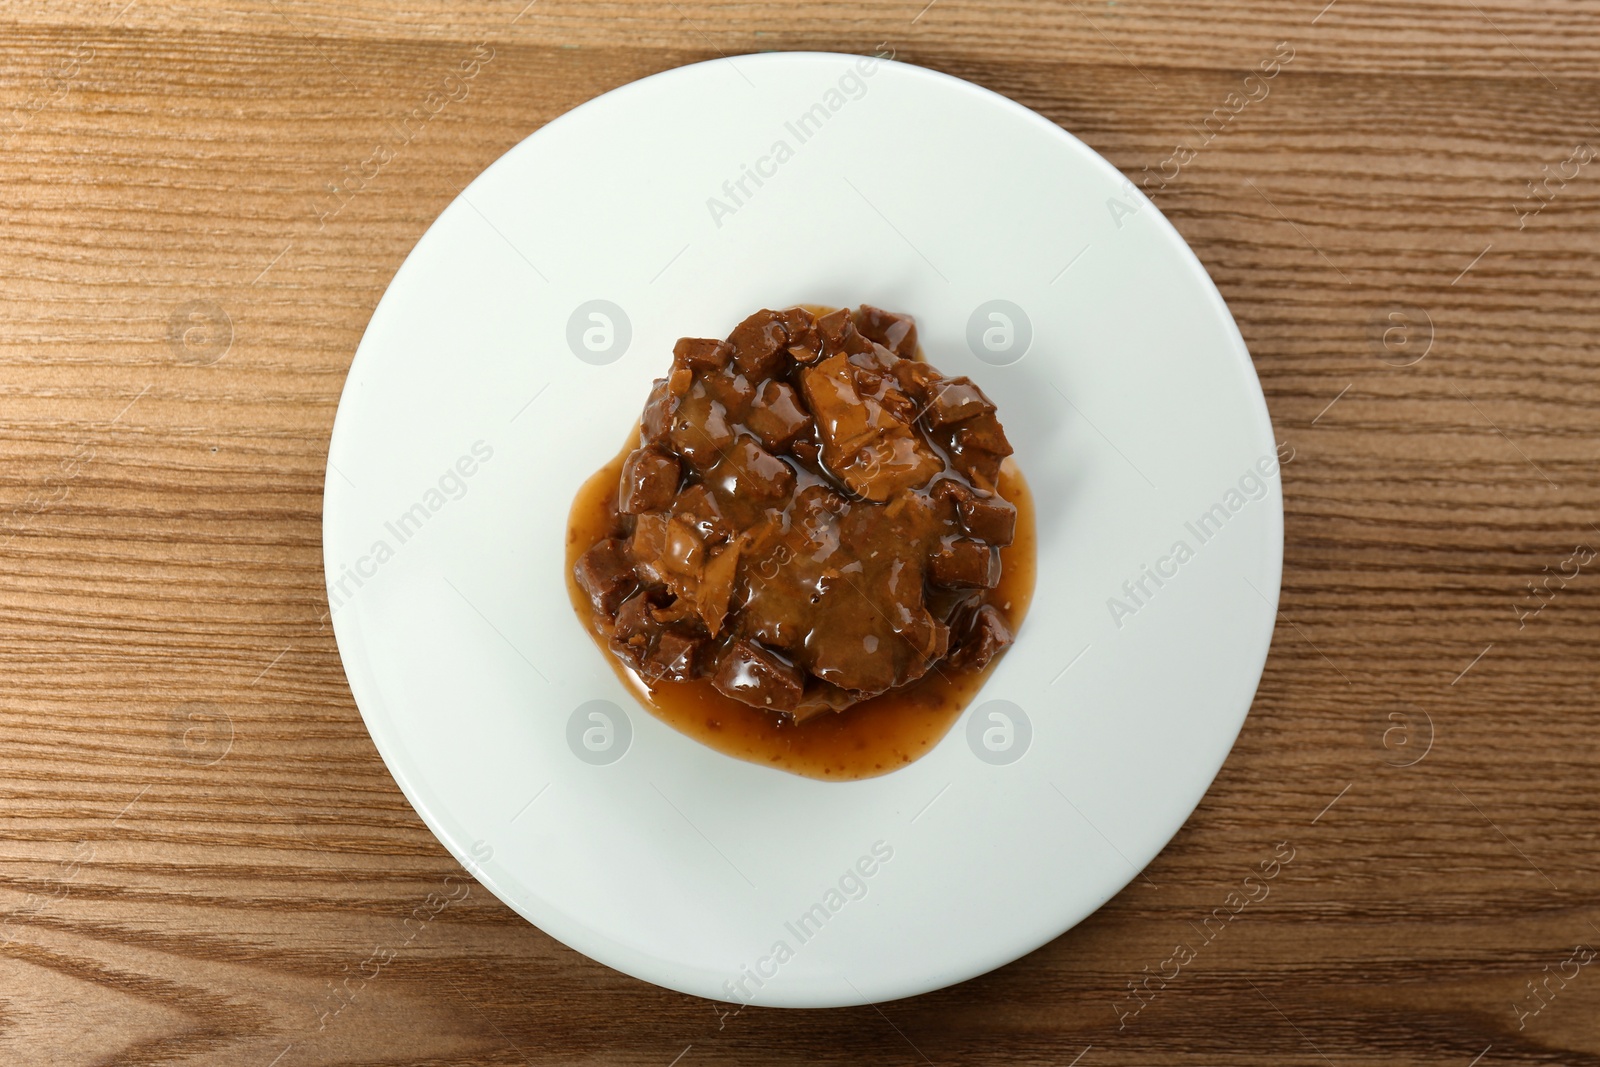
873, 737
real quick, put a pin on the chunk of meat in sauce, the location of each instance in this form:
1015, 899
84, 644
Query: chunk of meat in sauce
964, 564
839, 334
989, 518
987, 636
716, 587
673, 658
984, 515
777, 416
606, 574
649, 481
750, 472
758, 344
757, 676
698, 508
700, 431
864, 444
977, 446
702, 353
897, 333
955, 400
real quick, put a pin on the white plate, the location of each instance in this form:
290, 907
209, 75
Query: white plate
1134, 409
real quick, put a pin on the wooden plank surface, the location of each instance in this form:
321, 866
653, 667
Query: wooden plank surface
199, 841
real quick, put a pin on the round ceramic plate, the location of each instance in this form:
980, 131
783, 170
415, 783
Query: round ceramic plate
508, 361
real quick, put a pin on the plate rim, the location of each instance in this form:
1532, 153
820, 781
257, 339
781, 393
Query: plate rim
594, 944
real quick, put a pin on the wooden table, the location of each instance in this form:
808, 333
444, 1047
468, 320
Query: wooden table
200, 842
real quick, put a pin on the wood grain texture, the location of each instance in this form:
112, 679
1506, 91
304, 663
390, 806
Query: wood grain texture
200, 841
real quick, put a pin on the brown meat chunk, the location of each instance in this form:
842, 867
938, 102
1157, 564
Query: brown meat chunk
634, 621
606, 575
702, 353
986, 637
634, 629
698, 508
856, 653
977, 447
989, 518
982, 467
964, 564
758, 344
716, 587
898, 333
777, 416
866, 627
983, 433
649, 481
821, 697
868, 653
751, 472
839, 334
918, 380
658, 411
955, 400
758, 677
771, 614
700, 431
732, 390
683, 553
673, 658
864, 445
631, 652
680, 609
648, 544
879, 358
805, 342
844, 424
